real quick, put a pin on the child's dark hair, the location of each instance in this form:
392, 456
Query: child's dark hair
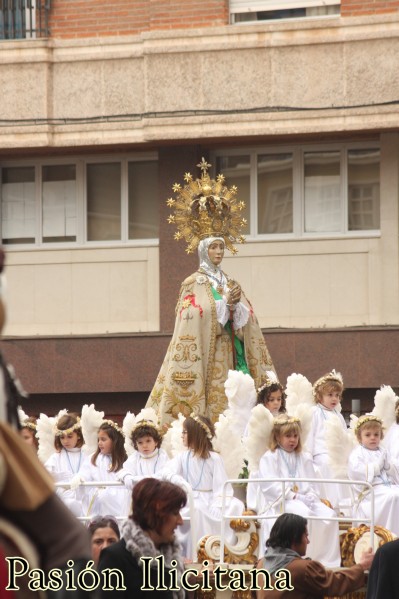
265, 391
118, 454
146, 430
397, 411
200, 432
31, 425
68, 423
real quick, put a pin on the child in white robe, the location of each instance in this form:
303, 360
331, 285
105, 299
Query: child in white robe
29, 432
285, 459
104, 465
66, 463
327, 393
370, 462
148, 459
203, 470
271, 395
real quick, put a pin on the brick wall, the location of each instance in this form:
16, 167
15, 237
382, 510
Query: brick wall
353, 8
95, 18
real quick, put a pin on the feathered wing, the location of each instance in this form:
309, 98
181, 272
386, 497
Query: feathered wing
127, 427
147, 414
339, 443
22, 416
384, 405
172, 441
229, 444
46, 434
241, 395
305, 415
257, 442
300, 402
91, 420
299, 391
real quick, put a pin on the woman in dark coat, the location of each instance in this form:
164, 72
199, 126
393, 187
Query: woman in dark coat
383, 581
150, 534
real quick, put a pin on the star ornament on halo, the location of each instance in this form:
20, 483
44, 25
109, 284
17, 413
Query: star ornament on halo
204, 165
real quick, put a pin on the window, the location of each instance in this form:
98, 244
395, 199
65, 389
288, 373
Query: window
18, 213
322, 193
59, 203
244, 11
363, 190
104, 202
308, 191
21, 19
142, 187
78, 202
275, 193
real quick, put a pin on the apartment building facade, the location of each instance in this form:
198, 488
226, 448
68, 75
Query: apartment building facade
106, 105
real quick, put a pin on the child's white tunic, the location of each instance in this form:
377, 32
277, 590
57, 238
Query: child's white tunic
316, 446
104, 501
364, 466
283, 464
63, 467
206, 478
139, 466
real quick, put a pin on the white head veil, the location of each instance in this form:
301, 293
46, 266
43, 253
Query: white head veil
205, 262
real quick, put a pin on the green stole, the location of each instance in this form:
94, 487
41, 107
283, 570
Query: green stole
241, 363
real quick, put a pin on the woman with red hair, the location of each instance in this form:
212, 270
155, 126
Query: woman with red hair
149, 533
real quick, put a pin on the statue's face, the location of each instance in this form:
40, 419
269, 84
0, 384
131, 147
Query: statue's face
216, 252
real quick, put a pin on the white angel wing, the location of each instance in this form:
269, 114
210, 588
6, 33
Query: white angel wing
241, 395
299, 391
305, 415
172, 441
127, 427
259, 429
45, 434
229, 444
384, 405
147, 414
91, 420
22, 415
339, 443
300, 402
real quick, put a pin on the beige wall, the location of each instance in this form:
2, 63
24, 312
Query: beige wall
305, 64
306, 283
331, 282
82, 291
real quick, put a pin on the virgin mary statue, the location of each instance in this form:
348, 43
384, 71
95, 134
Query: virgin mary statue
216, 329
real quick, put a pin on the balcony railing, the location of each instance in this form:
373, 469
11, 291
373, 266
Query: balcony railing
24, 19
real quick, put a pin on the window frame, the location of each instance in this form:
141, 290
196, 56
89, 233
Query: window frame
81, 201
298, 199
238, 7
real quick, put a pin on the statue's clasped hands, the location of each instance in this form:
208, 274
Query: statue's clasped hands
234, 295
